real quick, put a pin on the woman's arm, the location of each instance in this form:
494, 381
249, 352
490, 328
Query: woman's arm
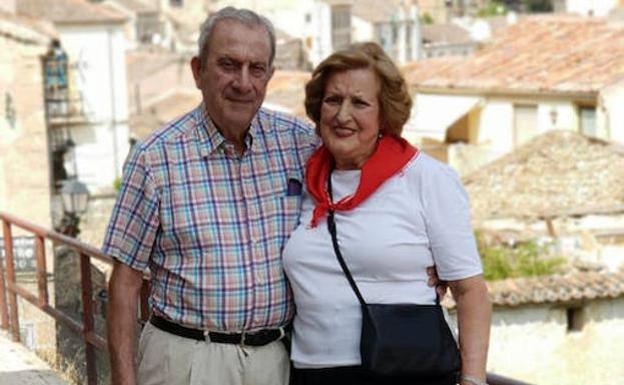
474, 313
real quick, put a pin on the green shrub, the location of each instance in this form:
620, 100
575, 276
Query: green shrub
525, 259
426, 18
117, 184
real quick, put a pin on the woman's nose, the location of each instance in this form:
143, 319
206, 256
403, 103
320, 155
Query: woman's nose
344, 112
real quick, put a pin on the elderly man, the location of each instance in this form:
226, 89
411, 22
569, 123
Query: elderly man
207, 202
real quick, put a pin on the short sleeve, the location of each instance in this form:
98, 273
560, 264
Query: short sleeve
447, 216
134, 221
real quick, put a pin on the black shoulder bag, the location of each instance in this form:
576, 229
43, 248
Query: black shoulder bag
402, 339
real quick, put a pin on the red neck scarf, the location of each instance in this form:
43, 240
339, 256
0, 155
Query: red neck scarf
390, 156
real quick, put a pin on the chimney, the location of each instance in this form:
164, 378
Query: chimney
8, 6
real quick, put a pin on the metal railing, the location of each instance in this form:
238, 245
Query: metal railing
9, 318
10, 289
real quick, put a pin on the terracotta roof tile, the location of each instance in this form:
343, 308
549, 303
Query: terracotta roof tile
559, 173
375, 11
559, 54
69, 11
33, 31
287, 89
445, 34
138, 6
570, 287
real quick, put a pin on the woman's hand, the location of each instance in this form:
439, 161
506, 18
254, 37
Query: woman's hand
434, 280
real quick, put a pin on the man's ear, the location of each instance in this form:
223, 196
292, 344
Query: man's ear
196, 68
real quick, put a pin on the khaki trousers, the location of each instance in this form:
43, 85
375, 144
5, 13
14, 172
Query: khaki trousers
166, 359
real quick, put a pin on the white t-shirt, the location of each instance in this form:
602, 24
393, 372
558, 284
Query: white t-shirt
417, 218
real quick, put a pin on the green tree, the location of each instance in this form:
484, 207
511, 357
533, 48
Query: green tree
538, 5
492, 8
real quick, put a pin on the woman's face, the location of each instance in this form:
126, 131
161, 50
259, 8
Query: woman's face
349, 124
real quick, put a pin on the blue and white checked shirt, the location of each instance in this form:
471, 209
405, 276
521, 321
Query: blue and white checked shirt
209, 224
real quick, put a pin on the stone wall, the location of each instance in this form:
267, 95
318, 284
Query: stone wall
533, 343
24, 170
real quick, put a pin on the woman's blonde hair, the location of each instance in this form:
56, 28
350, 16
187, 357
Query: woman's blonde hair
394, 98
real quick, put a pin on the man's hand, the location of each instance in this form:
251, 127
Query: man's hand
434, 280
124, 288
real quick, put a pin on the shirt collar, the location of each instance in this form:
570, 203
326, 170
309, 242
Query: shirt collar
212, 140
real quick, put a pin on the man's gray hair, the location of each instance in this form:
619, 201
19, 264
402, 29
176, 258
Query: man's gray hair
242, 15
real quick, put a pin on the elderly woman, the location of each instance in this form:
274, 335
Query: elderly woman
397, 212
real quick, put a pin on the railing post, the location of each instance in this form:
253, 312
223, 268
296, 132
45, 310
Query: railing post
87, 316
4, 310
42, 279
10, 272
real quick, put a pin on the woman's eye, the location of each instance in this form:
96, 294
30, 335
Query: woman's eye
332, 100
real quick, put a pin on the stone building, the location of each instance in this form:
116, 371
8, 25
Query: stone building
24, 171
561, 329
24, 166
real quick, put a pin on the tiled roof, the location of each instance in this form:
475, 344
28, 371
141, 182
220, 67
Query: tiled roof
26, 29
559, 173
141, 64
546, 53
69, 11
168, 108
570, 287
375, 11
445, 34
287, 90
557, 288
138, 6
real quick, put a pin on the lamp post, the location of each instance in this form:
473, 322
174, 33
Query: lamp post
75, 197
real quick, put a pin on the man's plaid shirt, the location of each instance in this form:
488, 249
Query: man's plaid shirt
210, 225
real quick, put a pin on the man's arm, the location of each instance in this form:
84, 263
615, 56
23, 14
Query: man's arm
124, 288
473, 315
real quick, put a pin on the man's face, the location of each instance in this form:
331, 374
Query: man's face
234, 74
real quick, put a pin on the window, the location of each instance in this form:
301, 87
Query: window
395, 33
587, 120
575, 319
525, 123
176, 3
341, 26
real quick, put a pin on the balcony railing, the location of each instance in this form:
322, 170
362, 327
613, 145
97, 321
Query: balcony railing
9, 317
10, 289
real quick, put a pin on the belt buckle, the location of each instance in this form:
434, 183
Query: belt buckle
242, 341
207, 335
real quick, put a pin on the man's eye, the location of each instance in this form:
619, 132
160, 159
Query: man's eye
258, 70
227, 64
360, 103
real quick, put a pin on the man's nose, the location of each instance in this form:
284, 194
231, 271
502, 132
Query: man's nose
243, 80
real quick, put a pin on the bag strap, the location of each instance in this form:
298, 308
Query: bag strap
331, 227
